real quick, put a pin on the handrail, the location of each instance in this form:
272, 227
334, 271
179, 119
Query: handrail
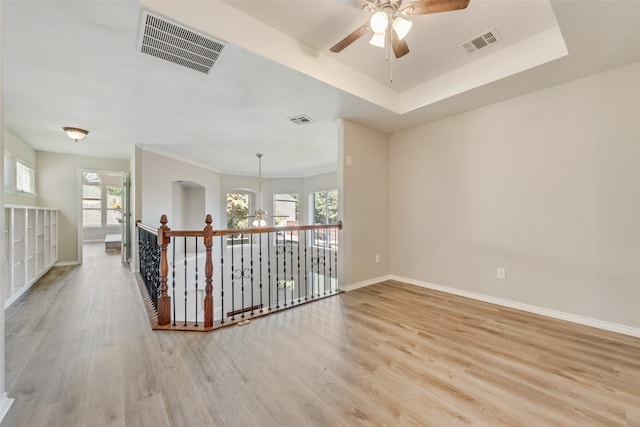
257, 230
145, 227
228, 232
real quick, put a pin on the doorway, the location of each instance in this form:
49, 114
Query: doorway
104, 214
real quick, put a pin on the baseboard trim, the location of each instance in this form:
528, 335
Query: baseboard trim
5, 404
368, 282
66, 263
569, 317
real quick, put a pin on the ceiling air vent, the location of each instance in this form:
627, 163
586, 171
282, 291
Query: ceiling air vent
485, 39
176, 43
300, 120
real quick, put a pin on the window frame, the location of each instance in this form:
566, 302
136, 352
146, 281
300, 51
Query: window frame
31, 178
109, 209
296, 197
100, 209
239, 238
317, 236
9, 173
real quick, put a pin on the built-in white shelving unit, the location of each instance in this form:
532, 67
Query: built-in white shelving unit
31, 247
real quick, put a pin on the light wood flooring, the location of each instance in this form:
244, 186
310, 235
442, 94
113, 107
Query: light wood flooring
80, 352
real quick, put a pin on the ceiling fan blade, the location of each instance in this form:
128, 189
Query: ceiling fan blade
433, 6
400, 47
359, 4
350, 38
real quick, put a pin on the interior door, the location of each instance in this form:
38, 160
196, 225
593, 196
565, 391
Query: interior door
126, 219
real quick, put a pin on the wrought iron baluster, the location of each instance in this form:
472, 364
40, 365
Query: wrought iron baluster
277, 274
260, 258
291, 274
196, 268
173, 279
299, 281
242, 275
269, 267
185, 281
233, 282
324, 264
313, 263
284, 267
306, 272
335, 256
251, 272
222, 317
290, 248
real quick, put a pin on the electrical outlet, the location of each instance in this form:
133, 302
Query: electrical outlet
377, 259
501, 273
348, 160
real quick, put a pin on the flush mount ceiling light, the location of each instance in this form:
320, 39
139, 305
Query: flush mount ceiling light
76, 134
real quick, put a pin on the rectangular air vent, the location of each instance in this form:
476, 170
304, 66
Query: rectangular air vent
176, 43
485, 39
300, 120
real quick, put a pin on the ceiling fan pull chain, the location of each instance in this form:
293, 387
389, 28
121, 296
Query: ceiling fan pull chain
389, 57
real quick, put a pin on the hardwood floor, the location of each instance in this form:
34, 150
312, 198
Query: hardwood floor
80, 353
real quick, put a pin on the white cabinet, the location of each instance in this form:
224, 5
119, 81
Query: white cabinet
31, 247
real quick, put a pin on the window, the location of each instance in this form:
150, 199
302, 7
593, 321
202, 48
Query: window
101, 200
286, 209
114, 205
325, 207
25, 178
237, 210
91, 205
325, 211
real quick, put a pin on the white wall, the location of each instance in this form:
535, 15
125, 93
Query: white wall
158, 173
364, 201
5, 402
545, 185
57, 184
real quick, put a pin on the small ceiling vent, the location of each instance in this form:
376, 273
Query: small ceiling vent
176, 43
485, 39
300, 120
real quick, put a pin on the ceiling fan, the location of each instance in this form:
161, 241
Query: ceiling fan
387, 21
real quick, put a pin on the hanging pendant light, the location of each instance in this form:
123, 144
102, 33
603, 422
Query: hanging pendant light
259, 220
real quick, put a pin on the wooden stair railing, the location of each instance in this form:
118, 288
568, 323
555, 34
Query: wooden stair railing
167, 304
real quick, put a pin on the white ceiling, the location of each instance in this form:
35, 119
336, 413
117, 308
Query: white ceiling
76, 63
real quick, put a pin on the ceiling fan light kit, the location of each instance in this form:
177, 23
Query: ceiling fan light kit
401, 26
379, 22
378, 39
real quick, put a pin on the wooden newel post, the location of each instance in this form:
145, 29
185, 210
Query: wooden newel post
164, 300
208, 272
